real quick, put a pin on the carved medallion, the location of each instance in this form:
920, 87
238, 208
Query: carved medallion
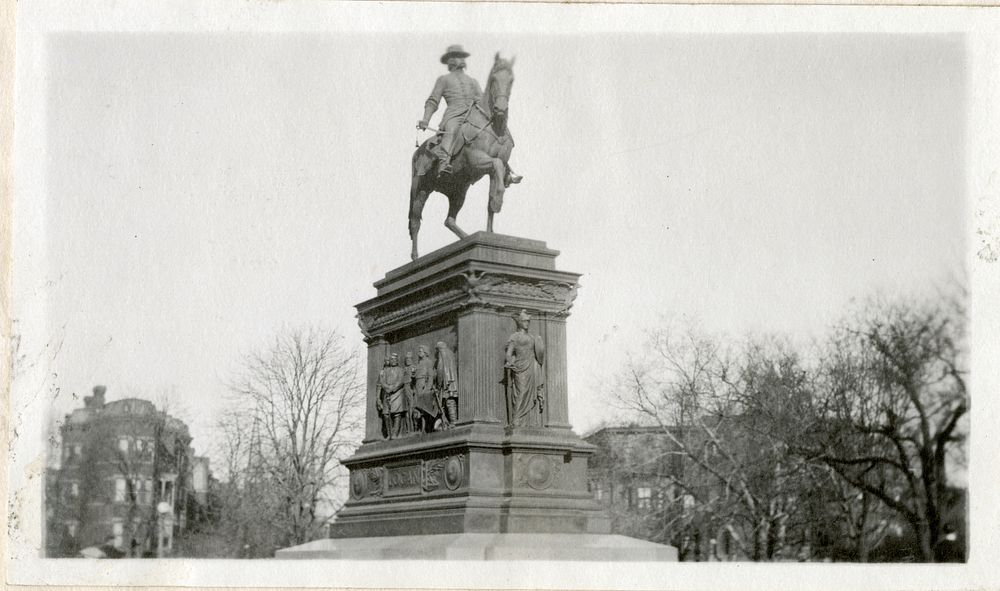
538, 471
454, 472
359, 484
450, 468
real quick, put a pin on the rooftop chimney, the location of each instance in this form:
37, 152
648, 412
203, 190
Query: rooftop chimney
97, 400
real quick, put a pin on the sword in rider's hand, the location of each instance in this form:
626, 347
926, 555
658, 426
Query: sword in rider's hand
416, 144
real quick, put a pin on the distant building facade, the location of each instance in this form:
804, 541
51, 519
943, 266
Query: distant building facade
650, 488
634, 469
127, 476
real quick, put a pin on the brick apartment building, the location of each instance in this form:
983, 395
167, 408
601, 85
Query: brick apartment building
126, 471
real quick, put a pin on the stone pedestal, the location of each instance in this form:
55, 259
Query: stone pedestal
481, 488
481, 475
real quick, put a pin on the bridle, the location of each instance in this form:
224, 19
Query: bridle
491, 118
494, 97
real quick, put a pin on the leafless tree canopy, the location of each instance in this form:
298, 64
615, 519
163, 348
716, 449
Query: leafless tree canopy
889, 414
789, 450
296, 412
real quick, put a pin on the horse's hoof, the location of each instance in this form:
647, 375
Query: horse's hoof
515, 179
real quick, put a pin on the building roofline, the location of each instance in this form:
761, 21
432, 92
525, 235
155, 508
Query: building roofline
633, 429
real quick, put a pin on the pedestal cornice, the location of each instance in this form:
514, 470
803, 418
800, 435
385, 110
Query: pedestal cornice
475, 277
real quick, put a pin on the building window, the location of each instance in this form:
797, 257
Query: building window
644, 495
659, 498
118, 531
167, 492
74, 489
123, 444
119, 490
145, 490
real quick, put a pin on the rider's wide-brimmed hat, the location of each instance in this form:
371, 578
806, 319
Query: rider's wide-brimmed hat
453, 51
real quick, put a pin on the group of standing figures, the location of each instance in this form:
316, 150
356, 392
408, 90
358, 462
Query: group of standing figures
422, 395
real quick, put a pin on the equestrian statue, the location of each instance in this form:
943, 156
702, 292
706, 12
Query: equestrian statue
472, 141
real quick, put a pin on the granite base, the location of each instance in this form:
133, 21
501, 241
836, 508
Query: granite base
472, 546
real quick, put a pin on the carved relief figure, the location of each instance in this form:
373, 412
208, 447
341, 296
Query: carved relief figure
391, 402
446, 384
408, 370
380, 398
425, 404
524, 380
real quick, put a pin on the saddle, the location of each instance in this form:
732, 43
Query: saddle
460, 139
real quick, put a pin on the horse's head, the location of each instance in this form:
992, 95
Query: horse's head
498, 88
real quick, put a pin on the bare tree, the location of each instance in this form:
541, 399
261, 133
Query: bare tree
711, 402
891, 410
855, 441
296, 412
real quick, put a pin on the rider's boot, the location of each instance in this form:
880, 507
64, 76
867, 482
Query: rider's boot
443, 161
443, 152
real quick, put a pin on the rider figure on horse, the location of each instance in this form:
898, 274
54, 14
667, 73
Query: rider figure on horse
461, 93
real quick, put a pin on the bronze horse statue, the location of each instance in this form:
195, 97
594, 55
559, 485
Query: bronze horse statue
483, 147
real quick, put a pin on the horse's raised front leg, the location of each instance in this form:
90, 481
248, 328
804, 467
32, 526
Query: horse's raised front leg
511, 177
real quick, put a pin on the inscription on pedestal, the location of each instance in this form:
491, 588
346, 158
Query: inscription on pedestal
403, 479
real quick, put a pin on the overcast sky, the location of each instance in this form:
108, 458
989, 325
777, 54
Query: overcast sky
204, 191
